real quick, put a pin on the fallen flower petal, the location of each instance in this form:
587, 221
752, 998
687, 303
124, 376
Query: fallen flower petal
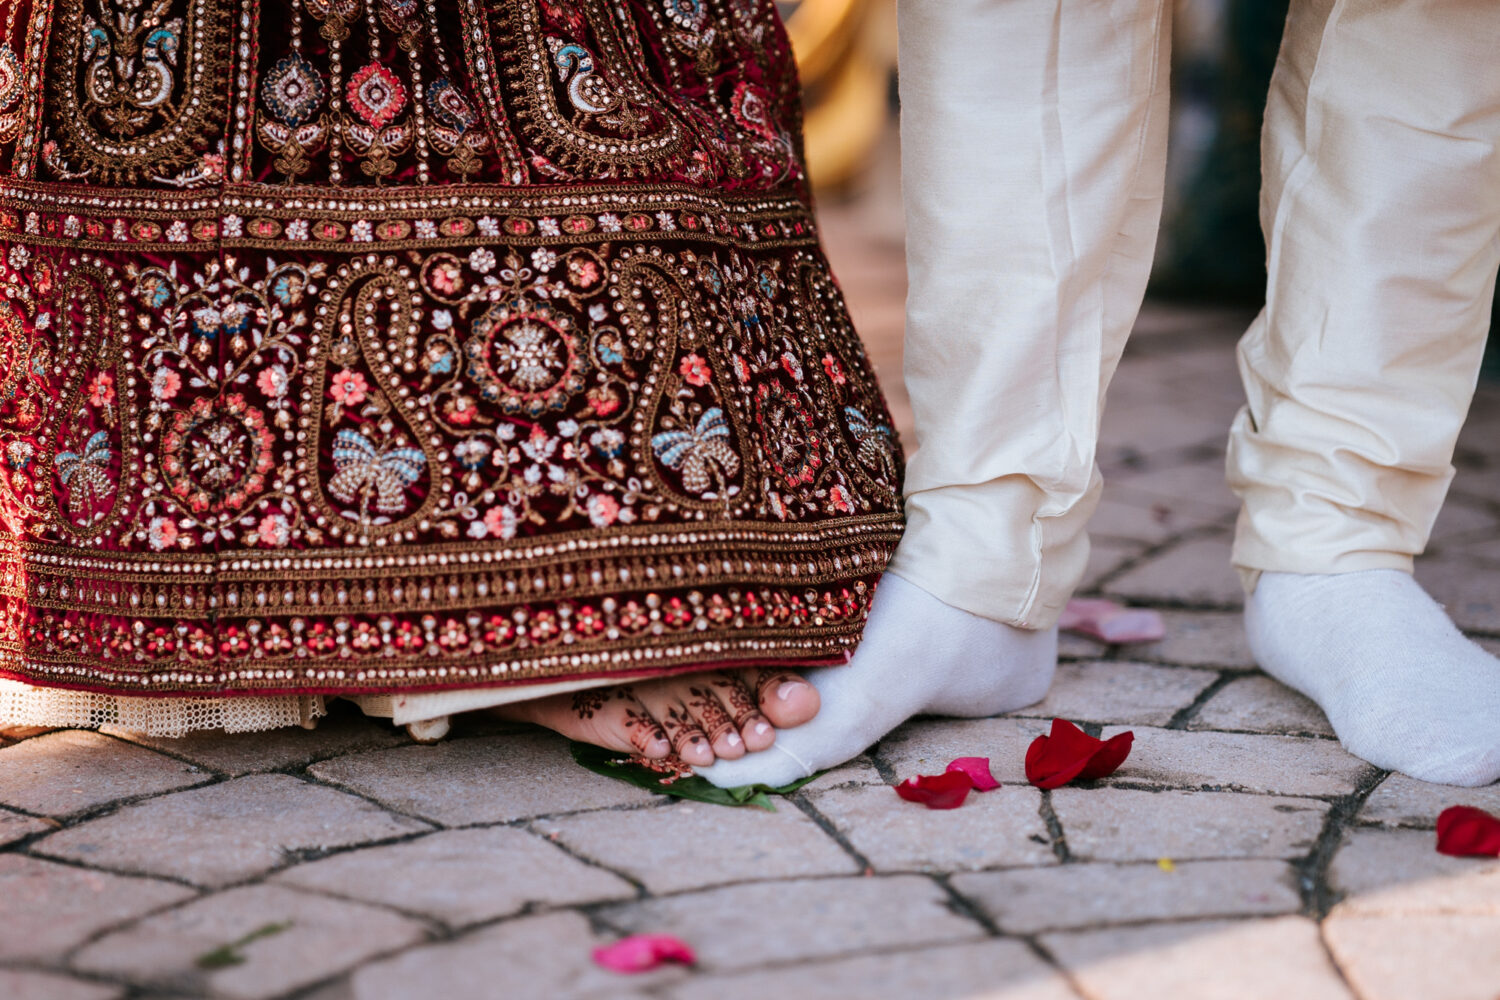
1108, 758
643, 952
1068, 753
1110, 622
978, 770
937, 791
1466, 832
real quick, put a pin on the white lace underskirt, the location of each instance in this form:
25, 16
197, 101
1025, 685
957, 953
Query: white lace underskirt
58, 708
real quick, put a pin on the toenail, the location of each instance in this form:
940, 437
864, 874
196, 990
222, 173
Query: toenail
733, 739
762, 728
785, 691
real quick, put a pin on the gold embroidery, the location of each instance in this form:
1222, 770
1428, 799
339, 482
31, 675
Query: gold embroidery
138, 89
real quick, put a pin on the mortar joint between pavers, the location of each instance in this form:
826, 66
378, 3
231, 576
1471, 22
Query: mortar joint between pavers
1054, 829
1188, 712
309, 778
437, 930
557, 841
964, 907
1312, 870
823, 823
1041, 951
1149, 552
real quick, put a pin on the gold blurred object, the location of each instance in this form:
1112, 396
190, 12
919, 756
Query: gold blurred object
846, 51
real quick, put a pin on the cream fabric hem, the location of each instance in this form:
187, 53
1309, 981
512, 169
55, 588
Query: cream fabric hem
59, 708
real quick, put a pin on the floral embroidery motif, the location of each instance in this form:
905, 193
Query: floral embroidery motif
87, 475
703, 454
409, 345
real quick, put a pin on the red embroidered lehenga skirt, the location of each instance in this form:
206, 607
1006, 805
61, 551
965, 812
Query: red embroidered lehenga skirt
415, 349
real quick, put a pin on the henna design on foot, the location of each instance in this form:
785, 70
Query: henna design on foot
741, 703
710, 712
682, 729
642, 730
586, 703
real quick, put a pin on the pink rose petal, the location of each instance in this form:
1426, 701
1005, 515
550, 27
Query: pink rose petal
1110, 622
978, 770
643, 952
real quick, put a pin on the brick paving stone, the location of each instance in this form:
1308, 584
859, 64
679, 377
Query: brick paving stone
1261, 704
999, 827
492, 779
14, 826
1403, 801
1195, 572
775, 922
1202, 960
1197, 488
47, 908
1119, 824
1381, 871
1467, 590
1076, 647
976, 971
1106, 557
1070, 897
72, 771
859, 771
1458, 520
16, 984
1128, 433
1284, 765
1147, 524
927, 747
1200, 639
533, 958
1447, 956
461, 877
321, 937
279, 749
688, 845
227, 832
1119, 691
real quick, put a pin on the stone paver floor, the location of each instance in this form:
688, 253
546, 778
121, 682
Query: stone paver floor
1239, 853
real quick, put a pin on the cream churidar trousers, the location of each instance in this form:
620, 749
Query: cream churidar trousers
1034, 150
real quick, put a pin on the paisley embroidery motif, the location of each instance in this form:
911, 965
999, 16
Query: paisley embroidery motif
405, 344
137, 88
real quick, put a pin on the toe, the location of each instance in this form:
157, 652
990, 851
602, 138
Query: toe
786, 699
754, 728
686, 736
703, 701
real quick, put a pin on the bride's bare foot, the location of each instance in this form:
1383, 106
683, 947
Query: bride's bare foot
701, 717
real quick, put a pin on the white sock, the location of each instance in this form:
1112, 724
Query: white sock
1400, 684
918, 656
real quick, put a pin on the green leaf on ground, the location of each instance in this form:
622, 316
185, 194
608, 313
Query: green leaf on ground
613, 764
229, 954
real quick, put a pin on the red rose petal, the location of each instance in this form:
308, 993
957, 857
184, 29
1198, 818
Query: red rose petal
978, 770
1466, 832
1108, 758
643, 952
937, 791
1068, 752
